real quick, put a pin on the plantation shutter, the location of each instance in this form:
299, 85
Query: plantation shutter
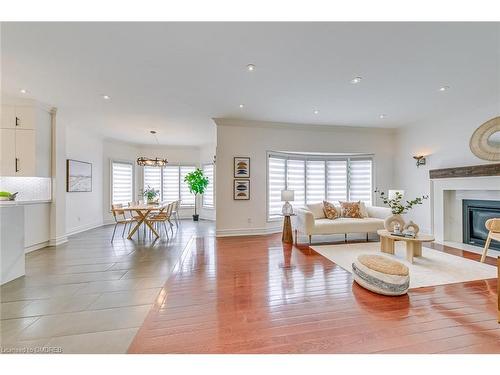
336, 180
315, 181
187, 199
152, 178
296, 181
171, 183
360, 180
208, 197
276, 183
123, 183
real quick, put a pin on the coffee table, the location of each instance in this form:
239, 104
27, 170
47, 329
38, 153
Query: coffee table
413, 245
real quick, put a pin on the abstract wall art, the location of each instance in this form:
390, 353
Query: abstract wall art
241, 167
78, 176
241, 190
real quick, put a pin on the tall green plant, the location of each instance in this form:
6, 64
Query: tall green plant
197, 183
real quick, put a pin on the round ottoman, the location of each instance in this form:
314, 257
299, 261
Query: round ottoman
381, 275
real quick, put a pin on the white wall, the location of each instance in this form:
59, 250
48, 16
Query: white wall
446, 142
84, 209
253, 139
207, 153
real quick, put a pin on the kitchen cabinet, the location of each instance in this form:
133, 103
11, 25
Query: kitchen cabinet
25, 137
19, 117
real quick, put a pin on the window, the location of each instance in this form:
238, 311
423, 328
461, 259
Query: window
187, 199
315, 178
208, 197
152, 178
122, 190
169, 181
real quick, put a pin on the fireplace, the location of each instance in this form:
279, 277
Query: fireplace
475, 214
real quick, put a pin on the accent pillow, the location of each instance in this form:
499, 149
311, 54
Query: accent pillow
351, 209
330, 210
317, 210
364, 211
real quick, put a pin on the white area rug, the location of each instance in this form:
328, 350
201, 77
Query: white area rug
433, 268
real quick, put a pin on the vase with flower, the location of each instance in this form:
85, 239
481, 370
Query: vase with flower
398, 207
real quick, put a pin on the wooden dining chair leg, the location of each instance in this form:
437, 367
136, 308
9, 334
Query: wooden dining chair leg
123, 231
485, 250
114, 230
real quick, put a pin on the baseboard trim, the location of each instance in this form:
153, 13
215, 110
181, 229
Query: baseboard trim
83, 228
37, 246
246, 232
58, 241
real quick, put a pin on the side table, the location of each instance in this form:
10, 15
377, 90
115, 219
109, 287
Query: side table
287, 236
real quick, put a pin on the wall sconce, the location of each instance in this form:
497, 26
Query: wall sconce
420, 160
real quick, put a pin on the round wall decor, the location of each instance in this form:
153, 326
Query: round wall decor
485, 142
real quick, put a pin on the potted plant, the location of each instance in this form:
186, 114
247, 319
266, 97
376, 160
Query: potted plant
197, 183
150, 194
398, 207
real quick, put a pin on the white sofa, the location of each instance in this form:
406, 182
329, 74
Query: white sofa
307, 224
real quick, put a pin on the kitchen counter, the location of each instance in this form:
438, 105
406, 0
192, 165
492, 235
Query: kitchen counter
21, 203
12, 261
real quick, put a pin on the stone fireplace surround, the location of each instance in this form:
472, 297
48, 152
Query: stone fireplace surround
447, 195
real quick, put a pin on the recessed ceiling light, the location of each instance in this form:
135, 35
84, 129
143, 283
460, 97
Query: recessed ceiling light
23, 91
242, 105
250, 67
444, 88
316, 111
356, 80
382, 116
106, 97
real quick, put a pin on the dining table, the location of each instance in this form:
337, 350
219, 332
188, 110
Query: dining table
143, 211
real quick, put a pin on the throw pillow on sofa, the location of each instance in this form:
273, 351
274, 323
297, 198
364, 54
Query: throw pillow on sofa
330, 210
351, 209
317, 210
363, 209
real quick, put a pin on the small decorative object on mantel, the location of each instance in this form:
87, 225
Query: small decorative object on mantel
485, 141
197, 183
393, 200
241, 167
151, 195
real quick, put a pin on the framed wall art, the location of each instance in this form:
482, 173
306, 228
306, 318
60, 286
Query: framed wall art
241, 190
78, 176
241, 167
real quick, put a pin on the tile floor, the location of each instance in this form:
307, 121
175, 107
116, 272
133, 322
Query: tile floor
89, 296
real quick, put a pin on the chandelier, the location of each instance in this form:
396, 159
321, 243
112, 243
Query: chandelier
150, 162
156, 162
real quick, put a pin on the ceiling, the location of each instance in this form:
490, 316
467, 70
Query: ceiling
176, 77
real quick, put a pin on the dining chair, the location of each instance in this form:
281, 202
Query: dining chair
493, 225
163, 217
175, 212
120, 218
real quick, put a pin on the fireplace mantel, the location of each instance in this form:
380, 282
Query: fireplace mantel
470, 171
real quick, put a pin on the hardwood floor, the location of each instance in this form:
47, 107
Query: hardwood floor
256, 295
